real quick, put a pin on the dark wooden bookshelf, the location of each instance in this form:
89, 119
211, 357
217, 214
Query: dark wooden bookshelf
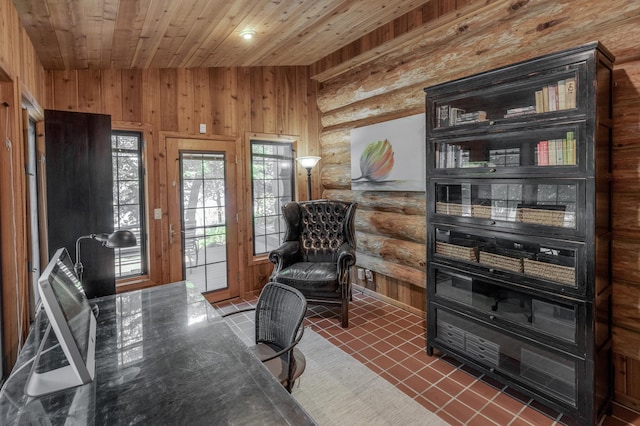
519, 226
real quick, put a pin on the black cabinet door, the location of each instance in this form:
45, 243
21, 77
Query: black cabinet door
80, 192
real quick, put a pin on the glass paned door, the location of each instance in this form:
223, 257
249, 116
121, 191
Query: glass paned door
203, 229
204, 220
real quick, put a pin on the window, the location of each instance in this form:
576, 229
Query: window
272, 179
128, 201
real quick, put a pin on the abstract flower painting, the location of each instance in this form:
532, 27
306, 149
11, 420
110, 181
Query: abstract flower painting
389, 156
376, 162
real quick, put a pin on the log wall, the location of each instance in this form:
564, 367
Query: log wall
626, 230
381, 77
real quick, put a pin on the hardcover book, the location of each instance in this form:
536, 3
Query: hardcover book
454, 115
553, 97
570, 92
443, 116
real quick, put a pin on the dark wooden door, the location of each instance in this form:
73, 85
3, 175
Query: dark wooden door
80, 192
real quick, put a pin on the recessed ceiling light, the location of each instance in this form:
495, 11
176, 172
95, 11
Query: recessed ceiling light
247, 34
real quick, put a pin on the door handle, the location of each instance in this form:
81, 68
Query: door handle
172, 233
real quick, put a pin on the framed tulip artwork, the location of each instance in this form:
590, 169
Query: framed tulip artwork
389, 156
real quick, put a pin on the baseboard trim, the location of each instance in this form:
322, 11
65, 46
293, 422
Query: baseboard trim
388, 300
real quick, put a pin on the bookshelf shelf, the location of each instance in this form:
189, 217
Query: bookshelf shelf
519, 227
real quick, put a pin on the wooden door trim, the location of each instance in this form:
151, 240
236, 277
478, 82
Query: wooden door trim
248, 257
42, 193
179, 135
234, 188
152, 200
162, 201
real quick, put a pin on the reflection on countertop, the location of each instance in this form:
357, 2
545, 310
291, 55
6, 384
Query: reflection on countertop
163, 356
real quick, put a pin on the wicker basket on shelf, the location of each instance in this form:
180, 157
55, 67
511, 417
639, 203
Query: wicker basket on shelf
501, 262
549, 271
483, 212
541, 216
459, 252
451, 209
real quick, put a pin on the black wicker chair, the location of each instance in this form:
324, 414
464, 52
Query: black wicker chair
278, 329
318, 252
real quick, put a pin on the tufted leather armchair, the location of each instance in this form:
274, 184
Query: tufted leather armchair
318, 251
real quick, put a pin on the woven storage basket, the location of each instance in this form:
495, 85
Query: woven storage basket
483, 212
449, 208
541, 216
501, 262
549, 271
459, 252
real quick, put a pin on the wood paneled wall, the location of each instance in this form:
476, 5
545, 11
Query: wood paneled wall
21, 83
381, 77
230, 101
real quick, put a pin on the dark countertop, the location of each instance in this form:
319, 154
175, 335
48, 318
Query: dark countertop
164, 356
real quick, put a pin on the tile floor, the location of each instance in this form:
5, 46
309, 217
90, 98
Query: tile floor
390, 341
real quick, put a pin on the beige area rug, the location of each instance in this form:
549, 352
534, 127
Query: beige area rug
336, 389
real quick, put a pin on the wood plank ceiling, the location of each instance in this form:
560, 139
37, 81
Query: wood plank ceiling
99, 34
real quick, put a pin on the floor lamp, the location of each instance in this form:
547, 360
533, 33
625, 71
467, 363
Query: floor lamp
308, 163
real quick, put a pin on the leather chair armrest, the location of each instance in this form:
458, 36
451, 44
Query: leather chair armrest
284, 255
346, 259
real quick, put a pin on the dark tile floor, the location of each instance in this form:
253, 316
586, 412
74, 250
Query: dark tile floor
391, 342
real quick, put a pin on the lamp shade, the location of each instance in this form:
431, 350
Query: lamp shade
308, 162
117, 239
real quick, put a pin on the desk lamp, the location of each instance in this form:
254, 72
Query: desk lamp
308, 163
117, 239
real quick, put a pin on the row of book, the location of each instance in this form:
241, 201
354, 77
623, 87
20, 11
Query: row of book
551, 97
520, 111
451, 156
551, 152
446, 116
557, 152
556, 97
